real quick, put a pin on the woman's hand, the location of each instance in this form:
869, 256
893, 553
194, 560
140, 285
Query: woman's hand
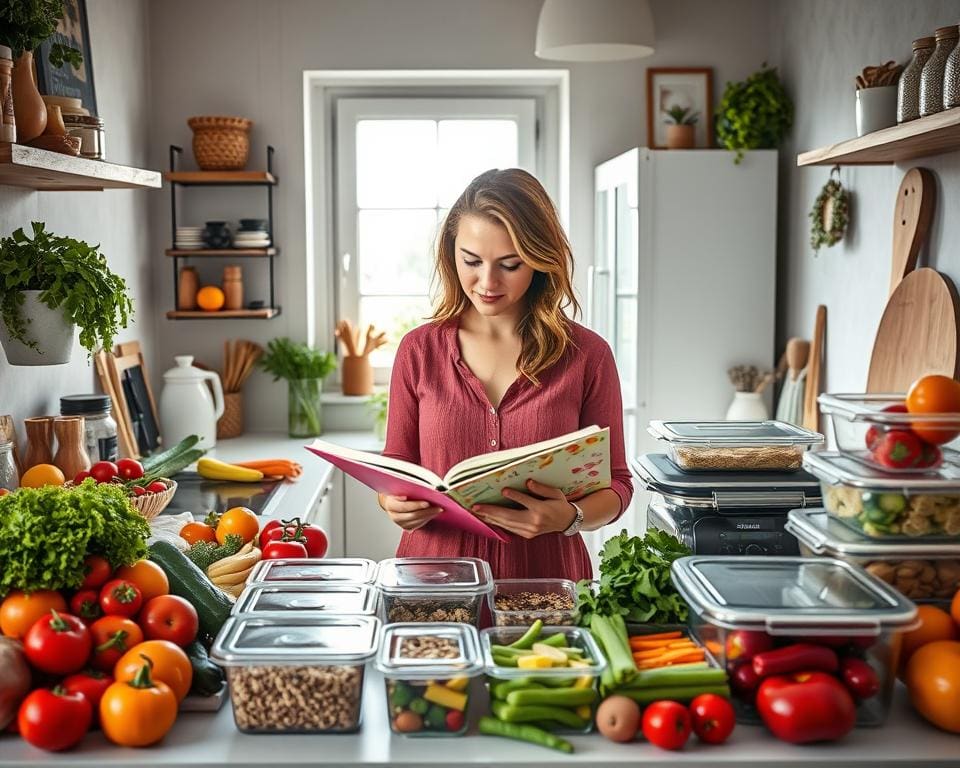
409, 515
548, 511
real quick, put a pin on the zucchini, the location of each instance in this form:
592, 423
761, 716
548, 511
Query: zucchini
156, 459
170, 467
190, 583
207, 676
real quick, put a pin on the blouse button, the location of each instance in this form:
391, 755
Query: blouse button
493, 442
493, 410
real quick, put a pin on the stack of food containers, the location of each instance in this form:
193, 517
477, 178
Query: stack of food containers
296, 646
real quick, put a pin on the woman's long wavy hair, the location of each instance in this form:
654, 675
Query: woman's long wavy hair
515, 199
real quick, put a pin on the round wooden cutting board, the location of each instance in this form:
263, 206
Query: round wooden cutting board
918, 333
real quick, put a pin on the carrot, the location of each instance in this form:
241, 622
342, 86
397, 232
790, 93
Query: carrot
281, 467
649, 646
655, 636
651, 654
682, 644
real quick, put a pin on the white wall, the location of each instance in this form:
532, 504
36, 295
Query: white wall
247, 57
821, 45
116, 219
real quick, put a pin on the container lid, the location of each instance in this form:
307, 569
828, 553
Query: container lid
732, 434
89, 120
331, 598
826, 535
789, 595
839, 469
869, 408
352, 570
80, 405
576, 638
399, 655
724, 489
402, 575
295, 639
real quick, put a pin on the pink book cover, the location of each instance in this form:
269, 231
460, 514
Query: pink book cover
453, 515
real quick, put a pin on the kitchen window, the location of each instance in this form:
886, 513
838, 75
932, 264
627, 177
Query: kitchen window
401, 163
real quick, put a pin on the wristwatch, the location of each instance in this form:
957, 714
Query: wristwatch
574, 528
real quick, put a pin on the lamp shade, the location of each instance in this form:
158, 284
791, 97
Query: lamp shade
594, 30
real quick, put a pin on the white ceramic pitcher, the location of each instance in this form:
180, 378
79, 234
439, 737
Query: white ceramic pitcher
186, 407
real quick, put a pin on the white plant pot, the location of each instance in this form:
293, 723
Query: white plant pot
876, 109
48, 327
747, 406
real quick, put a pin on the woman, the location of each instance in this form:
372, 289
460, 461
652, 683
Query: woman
500, 366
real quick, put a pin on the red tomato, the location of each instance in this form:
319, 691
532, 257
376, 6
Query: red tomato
281, 550
156, 487
91, 684
744, 644
876, 432
103, 471
96, 572
898, 449
54, 720
112, 637
744, 680
315, 540
169, 617
59, 644
129, 469
666, 724
930, 456
138, 490
859, 677
120, 598
712, 718
806, 707
81, 476
85, 605
271, 525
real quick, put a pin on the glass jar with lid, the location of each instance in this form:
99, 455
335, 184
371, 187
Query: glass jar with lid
100, 430
9, 479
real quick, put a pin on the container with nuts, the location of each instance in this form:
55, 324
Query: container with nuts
923, 570
433, 589
348, 570
427, 672
296, 673
520, 602
331, 598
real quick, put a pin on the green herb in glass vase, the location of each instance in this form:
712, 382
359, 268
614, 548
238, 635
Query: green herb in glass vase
304, 369
378, 404
754, 114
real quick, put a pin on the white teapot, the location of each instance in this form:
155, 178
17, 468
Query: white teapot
186, 407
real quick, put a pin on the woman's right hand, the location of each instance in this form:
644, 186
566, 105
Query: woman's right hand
409, 515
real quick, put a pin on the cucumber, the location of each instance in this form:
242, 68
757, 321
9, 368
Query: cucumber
207, 676
156, 459
171, 466
190, 583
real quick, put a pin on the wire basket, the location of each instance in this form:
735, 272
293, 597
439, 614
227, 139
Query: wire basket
152, 504
231, 423
221, 143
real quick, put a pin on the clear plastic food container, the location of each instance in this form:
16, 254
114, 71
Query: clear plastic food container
871, 428
335, 598
885, 506
924, 571
296, 674
734, 445
349, 570
427, 671
520, 602
558, 698
743, 608
433, 589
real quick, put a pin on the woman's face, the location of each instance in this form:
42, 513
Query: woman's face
490, 271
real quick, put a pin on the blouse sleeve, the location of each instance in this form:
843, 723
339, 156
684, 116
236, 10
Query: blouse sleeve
603, 406
403, 408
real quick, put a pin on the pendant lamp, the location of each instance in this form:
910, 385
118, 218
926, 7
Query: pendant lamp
594, 30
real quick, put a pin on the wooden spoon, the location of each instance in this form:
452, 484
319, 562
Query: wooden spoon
912, 216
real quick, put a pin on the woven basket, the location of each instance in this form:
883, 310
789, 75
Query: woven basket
231, 423
152, 504
221, 143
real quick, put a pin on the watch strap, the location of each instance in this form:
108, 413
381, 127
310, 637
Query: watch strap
574, 527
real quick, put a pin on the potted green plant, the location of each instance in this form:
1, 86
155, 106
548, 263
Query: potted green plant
51, 284
304, 369
681, 124
755, 113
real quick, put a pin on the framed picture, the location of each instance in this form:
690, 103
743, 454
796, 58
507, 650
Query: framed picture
72, 30
689, 88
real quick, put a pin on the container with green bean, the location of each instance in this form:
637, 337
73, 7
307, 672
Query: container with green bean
544, 676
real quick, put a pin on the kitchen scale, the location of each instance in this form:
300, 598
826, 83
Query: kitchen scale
723, 512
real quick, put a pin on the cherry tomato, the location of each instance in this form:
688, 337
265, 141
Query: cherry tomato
271, 525
129, 469
898, 449
54, 720
138, 490
91, 684
96, 571
875, 433
170, 617
85, 605
859, 677
120, 598
103, 471
156, 487
112, 637
58, 643
666, 724
712, 718
81, 476
281, 550
194, 532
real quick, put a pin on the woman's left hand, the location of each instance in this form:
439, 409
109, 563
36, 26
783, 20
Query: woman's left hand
547, 511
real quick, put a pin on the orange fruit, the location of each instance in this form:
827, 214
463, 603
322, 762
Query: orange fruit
933, 680
146, 576
210, 298
40, 475
20, 610
935, 624
239, 520
934, 394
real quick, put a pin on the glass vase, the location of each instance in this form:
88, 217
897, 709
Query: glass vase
304, 407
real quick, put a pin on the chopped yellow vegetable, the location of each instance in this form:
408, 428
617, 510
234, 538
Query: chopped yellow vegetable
584, 711
440, 694
534, 662
584, 682
554, 654
458, 683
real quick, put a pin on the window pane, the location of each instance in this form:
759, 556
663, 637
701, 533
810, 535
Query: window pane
396, 163
394, 314
396, 250
467, 148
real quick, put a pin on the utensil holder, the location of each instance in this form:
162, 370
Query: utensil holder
231, 423
357, 376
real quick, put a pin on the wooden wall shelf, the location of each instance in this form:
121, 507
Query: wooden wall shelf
224, 314
220, 178
931, 135
39, 169
180, 253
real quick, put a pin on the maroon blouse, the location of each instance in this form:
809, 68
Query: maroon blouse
439, 414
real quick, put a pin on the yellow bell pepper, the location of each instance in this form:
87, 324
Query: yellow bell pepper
440, 694
458, 683
534, 662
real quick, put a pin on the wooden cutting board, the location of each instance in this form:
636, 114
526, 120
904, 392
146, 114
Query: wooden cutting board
912, 216
918, 333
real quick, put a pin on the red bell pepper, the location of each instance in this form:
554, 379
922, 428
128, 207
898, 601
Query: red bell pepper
799, 657
806, 707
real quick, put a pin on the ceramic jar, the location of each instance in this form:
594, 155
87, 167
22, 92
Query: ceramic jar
28, 107
232, 287
71, 456
187, 287
908, 88
931, 79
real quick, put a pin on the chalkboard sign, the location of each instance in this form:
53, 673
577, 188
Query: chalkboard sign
145, 427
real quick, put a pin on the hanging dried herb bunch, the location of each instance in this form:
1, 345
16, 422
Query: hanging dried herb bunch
829, 215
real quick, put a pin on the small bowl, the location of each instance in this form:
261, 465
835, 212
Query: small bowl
152, 504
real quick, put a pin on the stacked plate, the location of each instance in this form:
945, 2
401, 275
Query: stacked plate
252, 234
190, 238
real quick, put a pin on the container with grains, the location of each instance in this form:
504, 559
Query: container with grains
343, 570
433, 589
296, 673
520, 602
734, 445
427, 671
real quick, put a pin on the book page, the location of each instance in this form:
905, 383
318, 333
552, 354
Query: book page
376, 460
